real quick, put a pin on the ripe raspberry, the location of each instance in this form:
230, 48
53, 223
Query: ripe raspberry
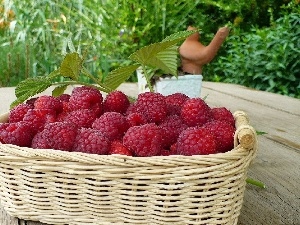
131, 108
83, 89
37, 118
18, 112
31, 101
174, 103
172, 127
196, 141
86, 98
48, 102
40, 141
223, 133
116, 101
152, 105
18, 133
3, 127
57, 135
117, 147
173, 149
92, 141
223, 114
136, 119
144, 140
112, 124
63, 97
164, 152
80, 117
195, 112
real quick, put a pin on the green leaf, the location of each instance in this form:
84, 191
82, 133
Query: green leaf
30, 87
54, 74
71, 66
167, 60
255, 183
260, 132
70, 43
205, 97
179, 36
59, 90
116, 77
146, 54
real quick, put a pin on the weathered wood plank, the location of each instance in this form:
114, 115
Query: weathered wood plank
6, 219
279, 203
276, 101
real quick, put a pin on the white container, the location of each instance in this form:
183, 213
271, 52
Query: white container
189, 84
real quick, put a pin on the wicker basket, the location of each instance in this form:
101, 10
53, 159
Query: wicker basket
58, 187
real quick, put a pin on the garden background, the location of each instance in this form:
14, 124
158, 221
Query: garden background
262, 50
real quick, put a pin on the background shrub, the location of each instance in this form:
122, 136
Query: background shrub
34, 36
264, 59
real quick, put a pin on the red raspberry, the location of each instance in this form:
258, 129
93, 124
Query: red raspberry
80, 117
57, 135
174, 103
144, 140
31, 101
86, 98
152, 105
64, 97
173, 149
195, 112
117, 147
164, 152
112, 124
48, 102
18, 112
116, 101
84, 88
172, 127
92, 141
40, 141
223, 133
131, 108
3, 127
223, 114
196, 141
37, 118
136, 119
18, 133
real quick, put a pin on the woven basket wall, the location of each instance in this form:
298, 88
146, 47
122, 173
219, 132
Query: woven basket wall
58, 187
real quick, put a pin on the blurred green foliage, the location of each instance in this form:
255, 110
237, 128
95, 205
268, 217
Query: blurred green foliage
33, 36
263, 58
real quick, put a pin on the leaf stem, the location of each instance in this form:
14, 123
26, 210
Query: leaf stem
81, 83
147, 78
101, 86
87, 73
255, 182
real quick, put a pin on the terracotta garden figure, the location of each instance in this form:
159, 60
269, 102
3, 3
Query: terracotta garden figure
195, 55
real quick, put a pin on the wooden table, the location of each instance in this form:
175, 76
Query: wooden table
278, 160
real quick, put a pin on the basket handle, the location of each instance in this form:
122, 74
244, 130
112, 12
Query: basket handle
245, 135
4, 117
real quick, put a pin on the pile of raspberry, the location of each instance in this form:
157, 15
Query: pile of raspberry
152, 125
